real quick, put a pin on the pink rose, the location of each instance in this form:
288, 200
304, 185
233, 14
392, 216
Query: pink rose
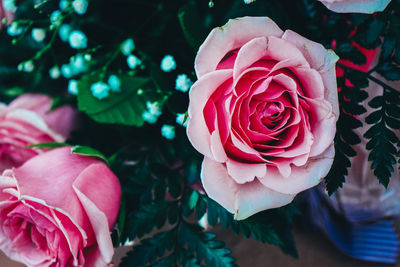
263, 112
57, 210
27, 121
356, 6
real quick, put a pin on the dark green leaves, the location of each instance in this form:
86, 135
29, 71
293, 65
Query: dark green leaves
150, 216
149, 250
125, 107
382, 138
204, 245
351, 96
271, 226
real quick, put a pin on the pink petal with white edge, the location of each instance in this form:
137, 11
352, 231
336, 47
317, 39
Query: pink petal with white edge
321, 60
40, 104
102, 205
200, 93
232, 35
243, 200
31, 118
301, 178
270, 48
100, 226
61, 120
245, 172
324, 128
217, 148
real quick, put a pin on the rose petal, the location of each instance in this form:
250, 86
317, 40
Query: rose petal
243, 200
102, 211
245, 172
233, 35
356, 6
197, 130
301, 178
267, 47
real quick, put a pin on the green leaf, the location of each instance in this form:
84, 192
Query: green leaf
193, 199
148, 217
88, 151
49, 145
165, 262
13, 92
382, 140
149, 249
205, 246
271, 226
125, 107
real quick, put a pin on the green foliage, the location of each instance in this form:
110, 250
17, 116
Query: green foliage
125, 108
88, 151
149, 216
48, 145
268, 227
205, 246
385, 120
351, 96
149, 249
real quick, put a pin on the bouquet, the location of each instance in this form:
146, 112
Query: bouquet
146, 123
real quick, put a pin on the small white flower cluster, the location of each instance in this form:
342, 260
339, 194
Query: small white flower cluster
180, 119
38, 34
168, 131
77, 64
152, 113
168, 63
101, 90
80, 6
183, 83
15, 29
26, 66
127, 48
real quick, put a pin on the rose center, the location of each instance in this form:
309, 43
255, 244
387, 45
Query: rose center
270, 112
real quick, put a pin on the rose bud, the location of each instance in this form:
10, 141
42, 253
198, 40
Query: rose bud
28, 120
57, 209
263, 113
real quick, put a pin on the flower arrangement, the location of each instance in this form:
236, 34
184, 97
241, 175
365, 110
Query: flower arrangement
146, 123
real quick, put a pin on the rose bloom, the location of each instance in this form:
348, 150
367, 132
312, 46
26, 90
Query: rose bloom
57, 210
28, 120
356, 6
263, 113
